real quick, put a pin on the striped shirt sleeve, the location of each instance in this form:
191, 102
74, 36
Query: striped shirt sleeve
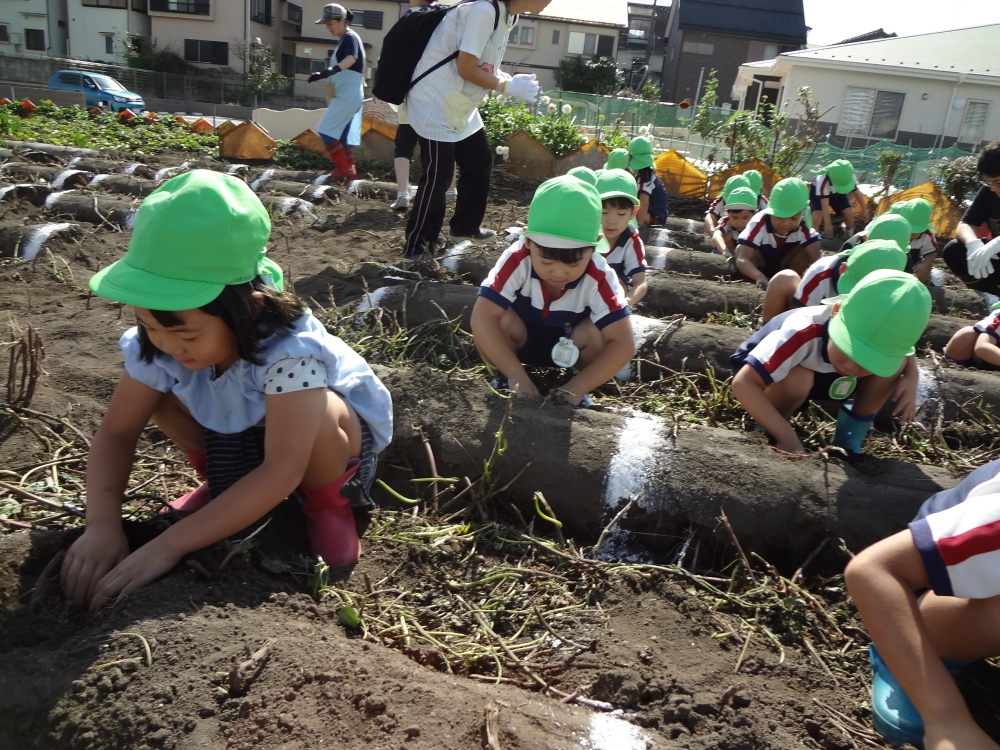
717, 208
635, 256
507, 276
960, 548
778, 352
751, 234
823, 185
607, 299
990, 325
815, 286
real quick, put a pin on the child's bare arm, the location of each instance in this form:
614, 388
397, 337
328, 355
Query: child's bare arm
987, 349
709, 223
619, 348
494, 346
905, 393
826, 222
103, 544
748, 387
862, 201
719, 240
293, 421
638, 290
748, 268
882, 579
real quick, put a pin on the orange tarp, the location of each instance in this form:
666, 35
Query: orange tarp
946, 214
718, 181
680, 177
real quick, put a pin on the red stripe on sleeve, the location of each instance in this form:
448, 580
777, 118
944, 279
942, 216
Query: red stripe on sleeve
607, 293
508, 268
756, 230
977, 541
814, 282
994, 322
783, 352
934, 243
640, 256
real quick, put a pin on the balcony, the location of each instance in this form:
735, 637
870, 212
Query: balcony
191, 7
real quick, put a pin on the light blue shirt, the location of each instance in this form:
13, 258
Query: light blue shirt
234, 401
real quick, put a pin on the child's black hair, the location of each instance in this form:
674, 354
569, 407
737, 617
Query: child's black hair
568, 255
618, 202
251, 319
989, 160
644, 175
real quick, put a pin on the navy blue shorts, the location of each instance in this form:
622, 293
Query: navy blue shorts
537, 350
774, 259
838, 201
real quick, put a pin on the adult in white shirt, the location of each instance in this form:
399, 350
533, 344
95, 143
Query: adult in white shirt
443, 109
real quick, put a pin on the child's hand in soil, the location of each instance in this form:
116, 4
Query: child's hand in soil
90, 558
790, 446
957, 735
524, 388
905, 396
143, 566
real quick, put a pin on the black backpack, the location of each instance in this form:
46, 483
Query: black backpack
403, 47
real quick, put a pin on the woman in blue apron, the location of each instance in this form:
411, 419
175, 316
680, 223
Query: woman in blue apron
342, 118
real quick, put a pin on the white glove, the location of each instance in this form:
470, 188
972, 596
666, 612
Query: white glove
979, 257
523, 87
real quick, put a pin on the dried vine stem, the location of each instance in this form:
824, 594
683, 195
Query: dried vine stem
24, 365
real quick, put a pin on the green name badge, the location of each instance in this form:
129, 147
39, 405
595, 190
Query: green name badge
843, 387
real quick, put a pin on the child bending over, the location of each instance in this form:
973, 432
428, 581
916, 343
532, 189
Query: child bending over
740, 207
261, 399
833, 188
930, 598
862, 347
625, 252
550, 300
653, 200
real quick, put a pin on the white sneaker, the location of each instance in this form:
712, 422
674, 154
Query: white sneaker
450, 196
402, 202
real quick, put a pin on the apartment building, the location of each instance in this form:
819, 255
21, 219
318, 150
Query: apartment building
211, 33
34, 28
641, 45
99, 29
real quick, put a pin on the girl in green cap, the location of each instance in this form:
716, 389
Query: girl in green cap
833, 188
751, 180
262, 400
923, 243
653, 200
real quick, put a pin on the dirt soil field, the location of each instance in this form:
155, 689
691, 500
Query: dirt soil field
661, 658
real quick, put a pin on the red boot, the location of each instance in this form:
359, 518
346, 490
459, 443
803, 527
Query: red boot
196, 499
351, 172
330, 521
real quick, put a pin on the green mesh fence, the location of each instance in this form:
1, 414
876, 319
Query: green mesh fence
915, 167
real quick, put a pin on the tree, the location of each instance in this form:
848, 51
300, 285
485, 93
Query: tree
650, 91
597, 76
163, 60
259, 76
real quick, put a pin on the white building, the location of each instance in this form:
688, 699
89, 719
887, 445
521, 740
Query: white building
98, 29
34, 27
926, 91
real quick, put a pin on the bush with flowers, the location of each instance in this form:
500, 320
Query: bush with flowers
958, 178
554, 127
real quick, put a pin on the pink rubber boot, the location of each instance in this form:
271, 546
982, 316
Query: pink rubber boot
330, 521
196, 499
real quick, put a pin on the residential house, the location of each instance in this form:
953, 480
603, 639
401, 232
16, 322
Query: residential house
641, 45
34, 27
927, 90
566, 28
217, 33
704, 35
99, 29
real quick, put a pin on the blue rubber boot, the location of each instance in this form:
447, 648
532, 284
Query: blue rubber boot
851, 429
893, 715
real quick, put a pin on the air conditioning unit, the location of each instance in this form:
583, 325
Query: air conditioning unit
15, 37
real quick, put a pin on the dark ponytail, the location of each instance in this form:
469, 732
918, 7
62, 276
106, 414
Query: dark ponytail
350, 15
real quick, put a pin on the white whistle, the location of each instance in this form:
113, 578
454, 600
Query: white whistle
565, 353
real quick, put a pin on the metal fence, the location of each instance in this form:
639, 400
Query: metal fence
221, 89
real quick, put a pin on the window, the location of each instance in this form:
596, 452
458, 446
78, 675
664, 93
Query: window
140, 6
555, 36
194, 7
4, 35
294, 13
605, 46
974, 122
34, 39
307, 65
109, 44
287, 65
582, 44
512, 36
260, 11
698, 48
198, 50
528, 35
104, 3
368, 19
640, 30
869, 113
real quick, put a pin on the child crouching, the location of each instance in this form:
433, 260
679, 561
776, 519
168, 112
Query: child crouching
551, 301
261, 399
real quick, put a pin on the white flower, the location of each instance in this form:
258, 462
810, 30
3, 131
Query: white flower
567, 108
504, 152
499, 150
552, 108
644, 130
545, 100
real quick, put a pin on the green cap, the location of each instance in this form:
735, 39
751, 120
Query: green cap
617, 183
741, 199
867, 257
195, 234
841, 173
565, 212
788, 198
584, 173
890, 227
756, 180
617, 159
917, 211
641, 151
881, 320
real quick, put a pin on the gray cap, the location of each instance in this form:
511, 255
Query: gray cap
333, 12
